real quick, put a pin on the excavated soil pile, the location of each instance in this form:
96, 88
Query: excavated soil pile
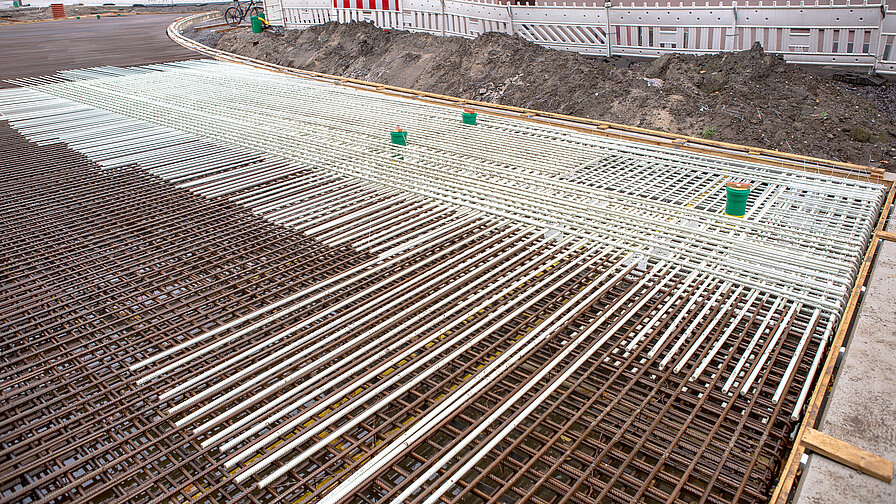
748, 97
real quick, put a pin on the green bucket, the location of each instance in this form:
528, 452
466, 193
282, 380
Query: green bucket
469, 117
737, 194
400, 137
257, 25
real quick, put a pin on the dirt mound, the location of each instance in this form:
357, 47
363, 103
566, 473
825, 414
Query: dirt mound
749, 97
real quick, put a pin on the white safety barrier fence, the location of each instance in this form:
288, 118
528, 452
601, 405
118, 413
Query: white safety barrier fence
824, 34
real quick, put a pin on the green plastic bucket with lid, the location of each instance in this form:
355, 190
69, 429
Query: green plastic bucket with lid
257, 25
400, 137
737, 195
469, 117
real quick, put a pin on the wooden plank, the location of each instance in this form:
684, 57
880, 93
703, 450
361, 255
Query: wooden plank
791, 467
217, 25
230, 29
848, 455
886, 235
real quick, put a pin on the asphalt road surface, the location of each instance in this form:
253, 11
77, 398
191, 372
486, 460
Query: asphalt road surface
43, 48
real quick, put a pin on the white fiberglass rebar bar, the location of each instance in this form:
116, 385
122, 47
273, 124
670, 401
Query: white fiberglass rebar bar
804, 339
707, 330
286, 311
735, 374
732, 325
783, 325
813, 368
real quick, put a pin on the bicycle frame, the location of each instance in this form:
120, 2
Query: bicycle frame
236, 14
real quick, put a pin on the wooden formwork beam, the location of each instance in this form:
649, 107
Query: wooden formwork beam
848, 455
886, 235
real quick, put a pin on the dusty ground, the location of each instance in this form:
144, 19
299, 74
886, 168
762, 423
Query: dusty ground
37, 13
749, 97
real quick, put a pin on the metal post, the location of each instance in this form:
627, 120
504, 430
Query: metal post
607, 5
880, 29
510, 17
733, 29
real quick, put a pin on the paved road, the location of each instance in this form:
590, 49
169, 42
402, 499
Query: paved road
43, 48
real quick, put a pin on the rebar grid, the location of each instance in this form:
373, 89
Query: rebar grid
314, 126
505, 312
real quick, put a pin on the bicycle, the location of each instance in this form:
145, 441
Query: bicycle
235, 15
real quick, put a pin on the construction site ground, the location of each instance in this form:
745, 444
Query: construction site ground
750, 98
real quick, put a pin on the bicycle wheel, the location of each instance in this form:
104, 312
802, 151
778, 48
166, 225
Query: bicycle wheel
233, 16
254, 11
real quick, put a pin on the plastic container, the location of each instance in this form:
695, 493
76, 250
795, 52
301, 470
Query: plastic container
400, 137
736, 202
469, 117
257, 25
